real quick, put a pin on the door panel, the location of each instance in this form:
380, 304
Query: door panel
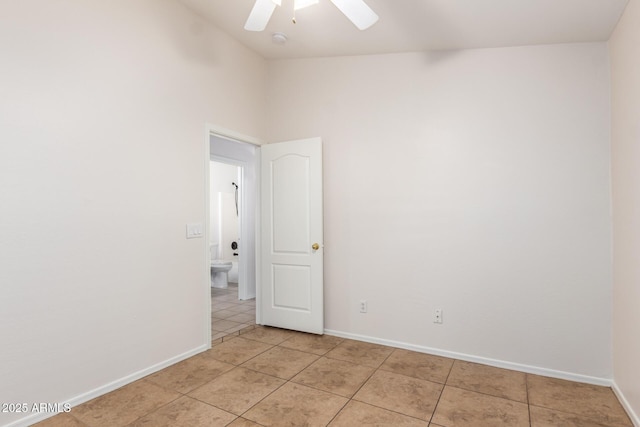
290, 207
291, 287
291, 223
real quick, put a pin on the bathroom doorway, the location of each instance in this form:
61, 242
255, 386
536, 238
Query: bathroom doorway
233, 308
224, 222
239, 156
229, 313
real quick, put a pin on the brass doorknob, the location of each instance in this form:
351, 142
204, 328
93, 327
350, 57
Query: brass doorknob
315, 246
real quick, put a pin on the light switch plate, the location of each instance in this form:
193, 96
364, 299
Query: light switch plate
194, 230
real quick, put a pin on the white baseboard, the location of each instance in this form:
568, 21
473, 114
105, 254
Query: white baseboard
477, 359
625, 404
85, 397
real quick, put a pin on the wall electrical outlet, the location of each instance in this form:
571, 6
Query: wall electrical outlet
363, 306
437, 316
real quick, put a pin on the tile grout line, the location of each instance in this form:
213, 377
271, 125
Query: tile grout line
213, 379
349, 399
216, 298
526, 386
375, 370
270, 393
159, 407
435, 407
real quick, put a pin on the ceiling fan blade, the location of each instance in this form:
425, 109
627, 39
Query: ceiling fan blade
358, 12
260, 15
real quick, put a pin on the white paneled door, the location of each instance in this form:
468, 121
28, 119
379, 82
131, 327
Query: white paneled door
291, 235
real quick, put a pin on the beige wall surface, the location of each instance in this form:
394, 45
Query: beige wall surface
476, 182
103, 110
625, 152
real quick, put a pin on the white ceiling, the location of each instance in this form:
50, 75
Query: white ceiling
417, 25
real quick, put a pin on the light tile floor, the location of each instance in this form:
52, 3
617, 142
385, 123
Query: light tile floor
261, 376
229, 315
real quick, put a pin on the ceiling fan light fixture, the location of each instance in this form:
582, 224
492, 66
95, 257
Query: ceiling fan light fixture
260, 15
301, 4
358, 12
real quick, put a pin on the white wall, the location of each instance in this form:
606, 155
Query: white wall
625, 74
472, 181
221, 177
103, 110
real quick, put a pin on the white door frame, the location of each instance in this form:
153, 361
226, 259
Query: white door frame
218, 131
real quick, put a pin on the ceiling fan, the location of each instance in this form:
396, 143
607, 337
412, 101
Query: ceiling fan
356, 10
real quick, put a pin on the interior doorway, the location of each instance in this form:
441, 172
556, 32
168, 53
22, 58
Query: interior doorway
231, 148
239, 154
233, 308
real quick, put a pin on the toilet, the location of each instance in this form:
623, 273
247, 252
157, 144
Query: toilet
219, 269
